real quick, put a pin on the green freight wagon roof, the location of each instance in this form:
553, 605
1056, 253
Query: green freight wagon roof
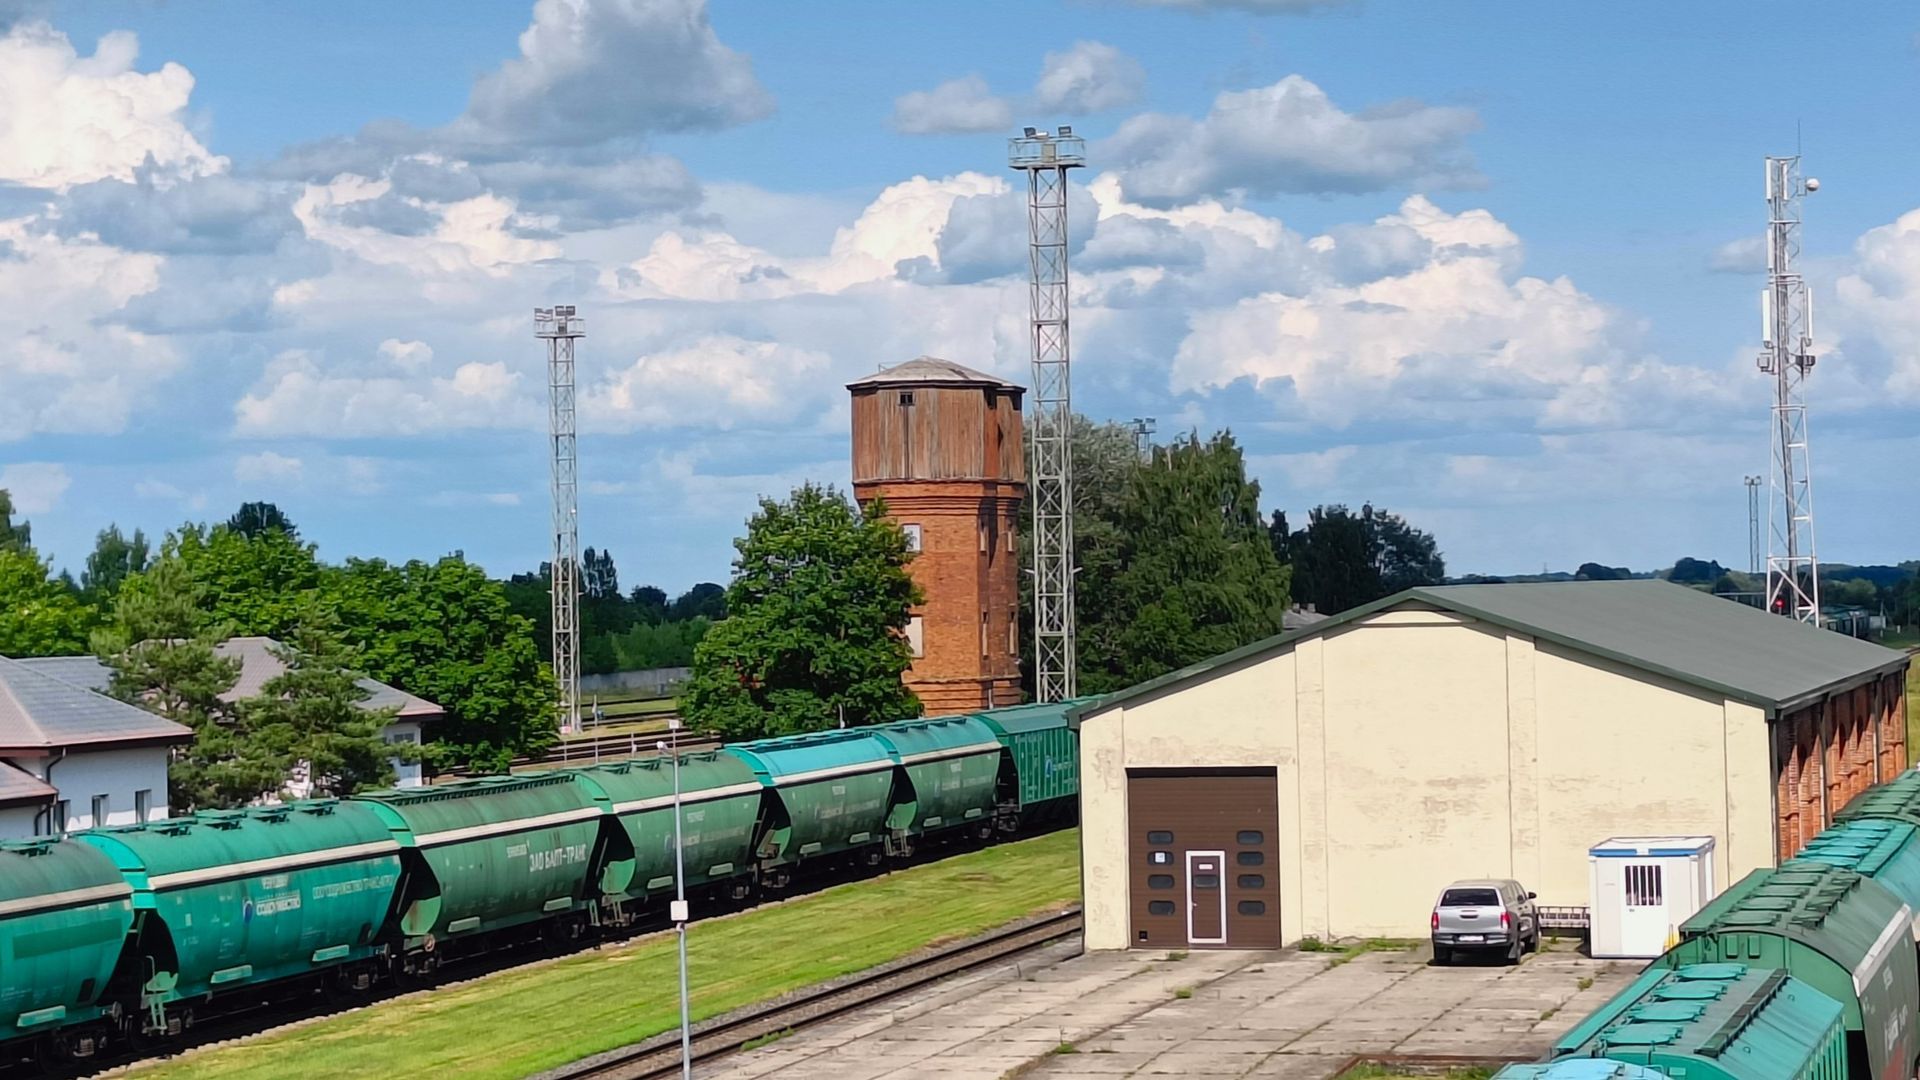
1885, 850
1657, 627
814, 756
945, 736
445, 813
705, 775
1751, 1023
1579, 1069
1898, 798
255, 840
1021, 718
39, 874
1838, 913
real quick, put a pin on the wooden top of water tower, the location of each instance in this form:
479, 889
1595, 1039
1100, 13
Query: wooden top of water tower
932, 371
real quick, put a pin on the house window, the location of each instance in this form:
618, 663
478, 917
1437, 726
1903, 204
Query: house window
983, 536
983, 634
99, 811
142, 805
916, 637
59, 823
913, 536
906, 398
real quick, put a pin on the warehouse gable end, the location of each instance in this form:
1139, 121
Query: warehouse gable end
1472, 732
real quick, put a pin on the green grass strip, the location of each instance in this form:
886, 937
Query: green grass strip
520, 1022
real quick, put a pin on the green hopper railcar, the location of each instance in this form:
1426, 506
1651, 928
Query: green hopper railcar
952, 769
65, 911
831, 794
228, 899
1840, 932
490, 854
1040, 780
1886, 850
1717, 1021
720, 806
1579, 1069
1897, 800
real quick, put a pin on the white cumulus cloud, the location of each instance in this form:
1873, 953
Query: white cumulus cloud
68, 119
718, 381
1090, 77
956, 106
1290, 138
299, 395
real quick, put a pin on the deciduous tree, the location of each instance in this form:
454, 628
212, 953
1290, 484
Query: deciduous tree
446, 632
256, 518
816, 615
113, 560
39, 614
1343, 559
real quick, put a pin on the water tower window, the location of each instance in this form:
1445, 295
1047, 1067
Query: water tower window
913, 536
906, 397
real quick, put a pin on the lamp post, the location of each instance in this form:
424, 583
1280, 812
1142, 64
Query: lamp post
678, 911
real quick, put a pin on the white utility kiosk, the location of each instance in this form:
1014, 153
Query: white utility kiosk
1643, 888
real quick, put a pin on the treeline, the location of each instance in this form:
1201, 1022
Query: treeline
441, 630
620, 631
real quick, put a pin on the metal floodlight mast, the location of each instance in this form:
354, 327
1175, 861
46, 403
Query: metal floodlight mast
1045, 159
1753, 524
559, 327
1786, 353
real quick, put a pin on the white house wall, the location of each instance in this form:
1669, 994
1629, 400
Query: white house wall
1416, 747
117, 774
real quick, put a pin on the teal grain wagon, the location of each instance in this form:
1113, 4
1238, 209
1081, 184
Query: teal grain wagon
1041, 777
833, 794
64, 916
227, 899
952, 767
1886, 850
1717, 1022
1840, 932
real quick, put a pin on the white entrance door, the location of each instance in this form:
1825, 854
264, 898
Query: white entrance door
1206, 898
1643, 911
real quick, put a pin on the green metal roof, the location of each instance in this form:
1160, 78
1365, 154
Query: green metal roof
1013, 719
1885, 850
1664, 629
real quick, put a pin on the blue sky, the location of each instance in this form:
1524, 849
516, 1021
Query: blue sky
1488, 265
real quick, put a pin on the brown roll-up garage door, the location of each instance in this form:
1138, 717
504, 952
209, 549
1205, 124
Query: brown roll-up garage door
1202, 849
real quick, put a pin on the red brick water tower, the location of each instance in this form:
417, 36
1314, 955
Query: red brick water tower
940, 443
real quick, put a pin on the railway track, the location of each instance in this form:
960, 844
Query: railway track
659, 1057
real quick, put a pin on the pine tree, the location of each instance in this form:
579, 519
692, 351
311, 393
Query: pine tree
159, 648
816, 620
312, 718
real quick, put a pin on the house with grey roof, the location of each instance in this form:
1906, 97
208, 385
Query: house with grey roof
72, 758
258, 665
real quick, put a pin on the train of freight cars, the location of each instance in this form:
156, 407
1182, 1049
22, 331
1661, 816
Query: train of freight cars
126, 934
1807, 971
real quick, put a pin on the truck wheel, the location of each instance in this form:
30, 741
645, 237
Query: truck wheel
1442, 954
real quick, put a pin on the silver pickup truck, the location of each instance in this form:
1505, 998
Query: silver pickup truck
1487, 915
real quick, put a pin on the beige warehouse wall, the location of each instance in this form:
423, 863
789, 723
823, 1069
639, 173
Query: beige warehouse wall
1626, 753
1416, 760
1418, 747
1242, 717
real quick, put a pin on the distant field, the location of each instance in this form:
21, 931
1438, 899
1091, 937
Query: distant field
520, 1022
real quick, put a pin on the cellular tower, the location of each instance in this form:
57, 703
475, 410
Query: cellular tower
1786, 353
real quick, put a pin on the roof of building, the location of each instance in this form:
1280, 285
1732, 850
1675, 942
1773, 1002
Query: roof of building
40, 711
1299, 618
1654, 626
19, 787
257, 665
932, 371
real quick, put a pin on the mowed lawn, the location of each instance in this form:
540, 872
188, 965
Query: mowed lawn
520, 1022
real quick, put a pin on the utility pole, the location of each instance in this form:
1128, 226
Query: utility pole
1046, 159
1753, 525
677, 911
1786, 353
559, 327
1142, 438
